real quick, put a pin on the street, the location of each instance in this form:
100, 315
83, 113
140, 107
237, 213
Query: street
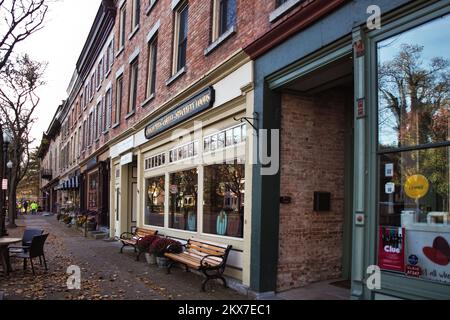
105, 273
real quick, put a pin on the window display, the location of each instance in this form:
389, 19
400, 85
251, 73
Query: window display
223, 208
414, 152
154, 205
183, 200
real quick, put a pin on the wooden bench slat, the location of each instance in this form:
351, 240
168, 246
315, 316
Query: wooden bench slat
208, 246
183, 259
200, 256
206, 251
207, 242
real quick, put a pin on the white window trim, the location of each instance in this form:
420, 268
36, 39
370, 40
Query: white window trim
281, 10
120, 72
153, 31
134, 55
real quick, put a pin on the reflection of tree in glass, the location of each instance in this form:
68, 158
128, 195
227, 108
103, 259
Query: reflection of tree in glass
186, 181
415, 96
155, 189
233, 177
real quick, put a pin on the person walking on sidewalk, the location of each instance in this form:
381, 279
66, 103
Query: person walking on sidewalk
34, 207
25, 206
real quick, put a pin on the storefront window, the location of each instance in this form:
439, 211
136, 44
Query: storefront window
154, 205
92, 191
413, 86
223, 208
183, 200
413, 115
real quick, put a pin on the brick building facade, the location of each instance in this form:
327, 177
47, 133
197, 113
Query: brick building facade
235, 67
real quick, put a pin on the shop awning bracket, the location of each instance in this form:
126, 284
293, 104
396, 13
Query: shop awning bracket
247, 119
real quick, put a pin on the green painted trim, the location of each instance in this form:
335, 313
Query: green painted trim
266, 209
318, 60
392, 284
410, 288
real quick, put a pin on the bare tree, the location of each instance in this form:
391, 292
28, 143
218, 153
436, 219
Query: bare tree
19, 81
18, 20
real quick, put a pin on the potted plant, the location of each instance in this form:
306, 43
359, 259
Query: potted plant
91, 223
163, 245
144, 245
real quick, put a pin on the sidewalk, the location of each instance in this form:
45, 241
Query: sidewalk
105, 273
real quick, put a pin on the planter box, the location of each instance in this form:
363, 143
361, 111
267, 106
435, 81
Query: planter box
151, 258
162, 262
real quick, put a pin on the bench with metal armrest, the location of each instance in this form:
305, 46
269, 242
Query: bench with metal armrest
132, 238
205, 256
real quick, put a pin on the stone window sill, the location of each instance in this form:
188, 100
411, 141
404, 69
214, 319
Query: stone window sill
150, 7
122, 49
176, 76
132, 113
115, 125
136, 29
220, 40
148, 100
283, 9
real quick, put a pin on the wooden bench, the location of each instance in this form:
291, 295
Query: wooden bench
131, 239
205, 256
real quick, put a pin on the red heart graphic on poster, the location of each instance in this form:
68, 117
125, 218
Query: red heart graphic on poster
436, 256
442, 245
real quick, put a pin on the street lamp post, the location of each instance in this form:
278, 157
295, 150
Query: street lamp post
6, 142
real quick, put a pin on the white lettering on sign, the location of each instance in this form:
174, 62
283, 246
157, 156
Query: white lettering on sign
390, 249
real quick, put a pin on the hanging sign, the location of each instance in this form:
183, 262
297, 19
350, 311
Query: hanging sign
184, 111
391, 249
417, 186
4, 184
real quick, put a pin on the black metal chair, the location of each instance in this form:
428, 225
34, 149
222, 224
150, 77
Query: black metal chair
36, 250
28, 235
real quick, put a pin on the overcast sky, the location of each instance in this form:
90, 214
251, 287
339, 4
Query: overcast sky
60, 43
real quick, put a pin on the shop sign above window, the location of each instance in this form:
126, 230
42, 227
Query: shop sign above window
193, 106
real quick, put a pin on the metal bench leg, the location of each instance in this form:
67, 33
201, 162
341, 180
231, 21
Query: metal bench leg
138, 255
224, 281
121, 249
169, 267
45, 262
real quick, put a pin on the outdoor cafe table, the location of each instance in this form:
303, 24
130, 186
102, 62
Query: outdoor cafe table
4, 253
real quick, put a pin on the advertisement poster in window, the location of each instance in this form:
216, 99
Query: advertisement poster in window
391, 252
429, 252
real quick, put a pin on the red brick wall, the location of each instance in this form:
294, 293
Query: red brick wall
252, 22
312, 159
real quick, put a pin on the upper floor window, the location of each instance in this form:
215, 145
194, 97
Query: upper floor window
151, 67
91, 89
135, 19
122, 23
281, 2
133, 86
99, 73
119, 96
99, 119
224, 17
109, 57
181, 31
108, 106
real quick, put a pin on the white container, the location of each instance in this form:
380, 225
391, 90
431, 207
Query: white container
408, 217
437, 218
